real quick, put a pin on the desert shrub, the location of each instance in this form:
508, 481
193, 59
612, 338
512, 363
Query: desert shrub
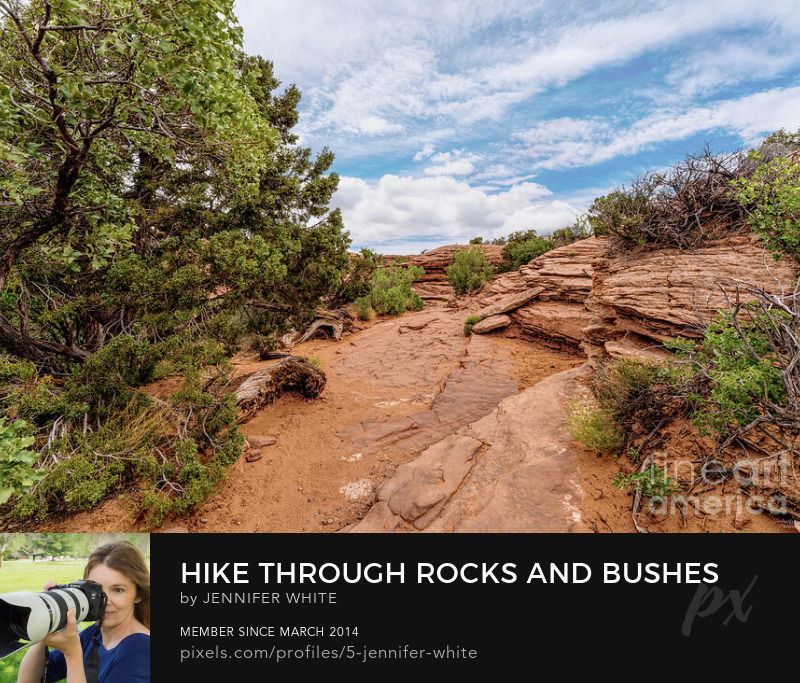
579, 230
592, 426
624, 392
771, 194
743, 371
523, 246
143, 443
469, 324
476, 240
653, 482
682, 208
415, 303
625, 389
390, 290
364, 309
470, 270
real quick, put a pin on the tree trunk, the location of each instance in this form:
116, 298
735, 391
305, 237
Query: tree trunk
49, 354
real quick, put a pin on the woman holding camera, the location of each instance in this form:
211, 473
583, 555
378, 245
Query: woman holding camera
117, 648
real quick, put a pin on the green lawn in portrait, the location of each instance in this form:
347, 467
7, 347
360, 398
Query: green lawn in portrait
24, 575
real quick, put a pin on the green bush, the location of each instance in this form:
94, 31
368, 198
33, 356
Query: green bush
390, 291
470, 270
771, 195
735, 370
17, 472
622, 213
579, 230
624, 391
652, 482
415, 303
469, 323
364, 309
524, 246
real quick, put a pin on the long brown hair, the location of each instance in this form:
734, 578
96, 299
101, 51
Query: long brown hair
125, 558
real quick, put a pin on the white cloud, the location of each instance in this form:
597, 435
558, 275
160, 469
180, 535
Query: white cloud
374, 66
703, 73
442, 209
455, 163
426, 152
564, 143
375, 125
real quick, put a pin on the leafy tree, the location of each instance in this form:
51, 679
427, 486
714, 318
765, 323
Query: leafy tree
54, 545
93, 96
154, 208
8, 543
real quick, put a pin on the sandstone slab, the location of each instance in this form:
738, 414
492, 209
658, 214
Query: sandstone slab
493, 322
502, 473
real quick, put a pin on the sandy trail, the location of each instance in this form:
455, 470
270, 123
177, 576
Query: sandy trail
392, 390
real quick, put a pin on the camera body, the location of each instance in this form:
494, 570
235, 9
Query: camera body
95, 598
33, 616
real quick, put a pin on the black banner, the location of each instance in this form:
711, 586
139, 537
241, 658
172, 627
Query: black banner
239, 605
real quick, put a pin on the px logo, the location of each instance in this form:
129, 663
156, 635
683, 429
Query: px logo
710, 600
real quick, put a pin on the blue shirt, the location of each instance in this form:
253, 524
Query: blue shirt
127, 662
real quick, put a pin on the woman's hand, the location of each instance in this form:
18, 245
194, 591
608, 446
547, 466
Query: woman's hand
67, 639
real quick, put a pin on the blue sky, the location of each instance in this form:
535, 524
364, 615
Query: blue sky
453, 119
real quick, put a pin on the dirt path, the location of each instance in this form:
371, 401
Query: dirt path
393, 389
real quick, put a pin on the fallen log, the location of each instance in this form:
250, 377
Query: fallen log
293, 373
332, 323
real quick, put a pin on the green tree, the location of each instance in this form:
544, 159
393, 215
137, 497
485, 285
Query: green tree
93, 96
54, 545
154, 207
8, 543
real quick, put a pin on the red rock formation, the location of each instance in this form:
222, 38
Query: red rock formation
664, 293
558, 314
628, 304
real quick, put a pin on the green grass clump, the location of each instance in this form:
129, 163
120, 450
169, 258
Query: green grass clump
592, 426
469, 323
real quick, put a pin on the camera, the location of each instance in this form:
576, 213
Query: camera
30, 617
